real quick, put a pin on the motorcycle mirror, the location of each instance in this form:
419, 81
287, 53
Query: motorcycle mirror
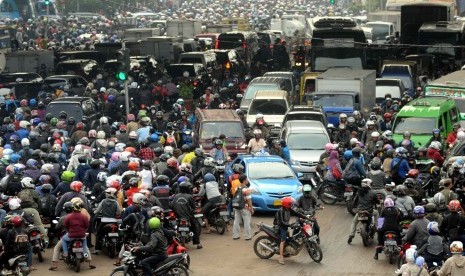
92, 197
54, 221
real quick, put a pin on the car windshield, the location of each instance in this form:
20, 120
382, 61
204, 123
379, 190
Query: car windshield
378, 31
73, 110
414, 125
328, 100
381, 91
253, 88
214, 129
269, 170
268, 107
55, 82
307, 141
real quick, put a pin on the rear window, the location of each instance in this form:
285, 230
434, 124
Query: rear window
268, 107
73, 110
230, 41
214, 129
177, 71
305, 116
55, 82
190, 60
264, 38
253, 88
222, 58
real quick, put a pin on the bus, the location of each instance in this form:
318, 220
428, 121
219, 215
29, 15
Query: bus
337, 31
26, 9
451, 85
395, 5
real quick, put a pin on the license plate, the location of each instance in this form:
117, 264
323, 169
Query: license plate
113, 234
277, 202
22, 264
346, 194
224, 213
35, 238
78, 249
198, 215
183, 229
390, 242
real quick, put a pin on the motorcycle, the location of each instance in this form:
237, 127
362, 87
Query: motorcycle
268, 245
175, 247
187, 136
218, 217
76, 254
36, 242
184, 231
16, 266
111, 241
50, 229
332, 192
391, 249
173, 265
367, 228
351, 193
219, 167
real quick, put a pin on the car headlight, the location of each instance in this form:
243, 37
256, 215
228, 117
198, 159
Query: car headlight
255, 191
243, 146
299, 189
295, 162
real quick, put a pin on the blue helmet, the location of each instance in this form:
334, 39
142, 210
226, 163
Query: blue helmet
209, 177
33, 102
14, 158
154, 138
182, 179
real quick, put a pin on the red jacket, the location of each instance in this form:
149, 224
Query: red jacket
130, 192
435, 155
76, 224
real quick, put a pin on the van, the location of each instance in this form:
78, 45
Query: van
422, 115
206, 58
76, 107
264, 83
211, 123
273, 104
294, 85
245, 43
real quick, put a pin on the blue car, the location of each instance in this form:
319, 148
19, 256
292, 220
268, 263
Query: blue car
270, 178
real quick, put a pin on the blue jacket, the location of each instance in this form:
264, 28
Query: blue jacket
286, 154
358, 165
403, 167
80, 172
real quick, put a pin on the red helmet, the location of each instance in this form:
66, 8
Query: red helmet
76, 186
115, 184
123, 128
287, 202
454, 206
133, 166
17, 221
172, 162
80, 126
413, 173
130, 149
387, 116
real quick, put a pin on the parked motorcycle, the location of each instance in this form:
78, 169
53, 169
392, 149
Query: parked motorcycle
366, 228
36, 241
173, 265
268, 245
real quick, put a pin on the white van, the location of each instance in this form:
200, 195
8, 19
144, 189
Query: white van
273, 104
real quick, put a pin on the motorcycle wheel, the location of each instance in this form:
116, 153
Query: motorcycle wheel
220, 225
77, 264
329, 190
314, 251
260, 252
120, 272
391, 258
111, 251
364, 234
39, 256
352, 205
178, 270
182, 240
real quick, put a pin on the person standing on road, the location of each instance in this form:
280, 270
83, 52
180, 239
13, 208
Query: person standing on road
244, 214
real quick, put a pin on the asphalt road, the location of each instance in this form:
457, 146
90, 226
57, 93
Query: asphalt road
222, 255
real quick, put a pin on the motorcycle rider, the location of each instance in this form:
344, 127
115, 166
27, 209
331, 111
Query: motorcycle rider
156, 247
366, 202
256, 143
354, 171
433, 247
399, 166
308, 204
184, 206
392, 216
209, 167
212, 192
378, 177
219, 152
76, 187
447, 191
16, 240
453, 225
109, 210
434, 153
162, 191
31, 204
455, 265
403, 202
282, 218
418, 229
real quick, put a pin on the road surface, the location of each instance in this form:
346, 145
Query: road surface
222, 255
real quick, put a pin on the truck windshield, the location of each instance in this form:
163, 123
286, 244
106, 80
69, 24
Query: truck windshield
333, 100
378, 31
414, 125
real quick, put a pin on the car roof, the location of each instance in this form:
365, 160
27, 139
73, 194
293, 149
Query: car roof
62, 77
426, 107
305, 126
265, 79
77, 61
279, 73
304, 109
71, 99
270, 94
255, 158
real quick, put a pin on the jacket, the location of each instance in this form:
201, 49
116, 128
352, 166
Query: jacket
109, 208
367, 201
76, 224
417, 232
67, 197
183, 205
454, 266
157, 243
378, 179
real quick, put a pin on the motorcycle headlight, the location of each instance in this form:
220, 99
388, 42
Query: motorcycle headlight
309, 231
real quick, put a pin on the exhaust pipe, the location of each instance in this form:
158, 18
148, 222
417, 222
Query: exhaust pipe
266, 247
330, 196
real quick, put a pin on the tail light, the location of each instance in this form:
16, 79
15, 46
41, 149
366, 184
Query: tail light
390, 236
172, 215
195, 83
34, 233
184, 222
217, 44
244, 45
78, 244
228, 65
348, 189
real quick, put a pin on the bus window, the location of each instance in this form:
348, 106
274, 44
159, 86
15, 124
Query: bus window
309, 86
453, 115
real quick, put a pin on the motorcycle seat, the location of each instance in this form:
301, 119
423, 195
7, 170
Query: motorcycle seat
12, 261
269, 228
170, 258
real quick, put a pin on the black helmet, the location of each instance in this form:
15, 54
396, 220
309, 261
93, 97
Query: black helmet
164, 157
431, 207
147, 164
46, 188
45, 147
282, 142
71, 121
95, 164
158, 151
82, 159
376, 164
159, 114
133, 181
68, 207
238, 168
356, 151
63, 115
163, 179
198, 152
84, 119
48, 117
36, 154
185, 187
185, 148
409, 183
52, 157
145, 143
400, 190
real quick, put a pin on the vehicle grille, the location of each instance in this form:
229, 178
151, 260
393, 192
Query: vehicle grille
308, 164
279, 195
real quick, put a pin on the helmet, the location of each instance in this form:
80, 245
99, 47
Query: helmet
172, 162
77, 203
133, 166
430, 207
406, 134
133, 181
329, 147
95, 164
131, 117
102, 176
103, 120
376, 164
68, 207
132, 135
375, 134
154, 138
460, 135
25, 142
388, 202
257, 132
26, 182
387, 115
413, 173
18, 168
439, 199
370, 123
287, 202
218, 142
111, 191
185, 167
168, 150
14, 203
406, 143
436, 131
307, 188
156, 211
259, 116
46, 188
76, 186
238, 168
101, 134
16, 221
366, 183
400, 190
435, 145
67, 176
185, 187
154, 223
92, 133
433, 228
351, 120
456, 247
409, 183
209, 162
163, 179
454, 206
209, 177
342, 116
138, 198
419, 211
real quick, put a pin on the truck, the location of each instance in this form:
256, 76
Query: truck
183, 28
162, 48
343, 90
137, 34
386, 16
27, 61
405, 70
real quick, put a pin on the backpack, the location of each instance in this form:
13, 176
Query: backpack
336, 173
13, 185
238, 201
26, 197
395, 172
46, 205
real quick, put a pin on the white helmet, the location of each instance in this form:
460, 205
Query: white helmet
353, 141
120, 147
342, 116
138, 198
132, 135
26, 182
375, 134
257, 132
102, 176
169, 150
125, 156
209, 162
14, 203
111, 191
24, 124
370, 123
460, 135
435, 145
104, 120
259, 116
387, 134
366, 183
25, 142
101, 134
